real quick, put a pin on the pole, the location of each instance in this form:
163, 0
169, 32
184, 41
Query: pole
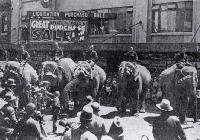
19, 22
133, 22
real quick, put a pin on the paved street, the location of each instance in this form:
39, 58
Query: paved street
134, 126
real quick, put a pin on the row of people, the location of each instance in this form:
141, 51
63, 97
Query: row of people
92, 127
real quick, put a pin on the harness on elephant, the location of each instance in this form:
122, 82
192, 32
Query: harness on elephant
180, 77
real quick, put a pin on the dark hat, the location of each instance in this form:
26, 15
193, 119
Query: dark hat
116, 129
96, 106
164, 105
86, 114
10, 82
57, 93
9, 97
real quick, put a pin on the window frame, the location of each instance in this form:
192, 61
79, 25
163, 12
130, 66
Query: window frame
169, 7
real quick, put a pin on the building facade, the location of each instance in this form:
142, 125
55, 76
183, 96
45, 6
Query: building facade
155, 28
154, 21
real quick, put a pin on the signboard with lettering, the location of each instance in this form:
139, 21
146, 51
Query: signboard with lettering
68, 15
68, 31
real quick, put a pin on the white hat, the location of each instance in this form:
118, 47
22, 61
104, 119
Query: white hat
164, 105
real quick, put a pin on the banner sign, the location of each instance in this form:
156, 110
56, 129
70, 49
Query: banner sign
68, 15
68, 31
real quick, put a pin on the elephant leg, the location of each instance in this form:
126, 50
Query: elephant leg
142, 100
192, 107
134, 103
183, 108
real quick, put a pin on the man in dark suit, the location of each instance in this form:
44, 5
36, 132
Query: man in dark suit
82, 132
97, 126
166, 126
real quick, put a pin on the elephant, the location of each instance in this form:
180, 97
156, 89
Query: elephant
58, 74
134, 81
179, 86
24, 76
87, 81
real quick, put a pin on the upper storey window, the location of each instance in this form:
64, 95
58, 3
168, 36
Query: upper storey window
172, 17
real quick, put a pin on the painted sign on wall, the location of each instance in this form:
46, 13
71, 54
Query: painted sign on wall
68, 31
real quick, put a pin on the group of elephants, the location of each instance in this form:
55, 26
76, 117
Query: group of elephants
76, 80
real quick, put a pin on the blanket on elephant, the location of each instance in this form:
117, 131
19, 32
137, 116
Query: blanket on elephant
27, 72
172, 78
67, 65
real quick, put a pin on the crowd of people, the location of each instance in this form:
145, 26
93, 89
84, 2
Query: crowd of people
27, 123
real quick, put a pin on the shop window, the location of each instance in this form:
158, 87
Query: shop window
122, 23
172, 17
4, 23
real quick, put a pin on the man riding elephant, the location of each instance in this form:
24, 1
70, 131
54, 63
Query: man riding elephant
23, 76
179, 86
134, 81
91, 56
87, 81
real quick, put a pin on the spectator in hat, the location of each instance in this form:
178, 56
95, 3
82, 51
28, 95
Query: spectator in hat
55, 107
82, 132
9, 111
96, 108
28, 128
97, 126
116, 130
9, 87
37, 95
89, 100
166, 126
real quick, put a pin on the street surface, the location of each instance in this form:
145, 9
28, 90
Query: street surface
134, 126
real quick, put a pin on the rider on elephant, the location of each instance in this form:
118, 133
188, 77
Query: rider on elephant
91, 56
25, 56
132, 56
58, 52
182, 59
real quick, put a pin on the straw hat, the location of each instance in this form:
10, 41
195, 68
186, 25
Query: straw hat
96, 106
164, 105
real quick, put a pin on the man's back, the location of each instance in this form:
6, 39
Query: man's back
167, 127
97, 126
80, 133
28, 130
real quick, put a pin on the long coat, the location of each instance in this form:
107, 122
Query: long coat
166, 127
